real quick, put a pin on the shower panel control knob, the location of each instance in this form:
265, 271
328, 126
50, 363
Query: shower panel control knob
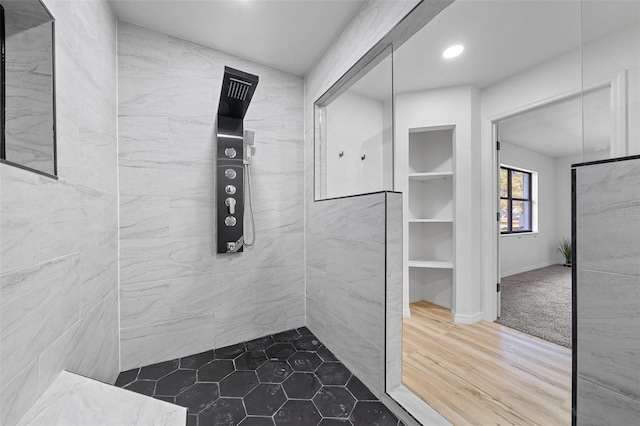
231, 203
230, 221
230, 152
230, 189
230, 174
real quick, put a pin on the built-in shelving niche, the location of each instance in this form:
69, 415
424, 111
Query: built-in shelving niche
431, 215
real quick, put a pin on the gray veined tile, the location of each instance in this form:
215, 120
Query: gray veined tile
98, 268
140, 96
141, 52
19, 394
145, 304
152, 259
192, 137
19, 218
144, 216
97, 160
90, 347
597, 405
148, 345
191, 216
38, 305
143, 141
187, 58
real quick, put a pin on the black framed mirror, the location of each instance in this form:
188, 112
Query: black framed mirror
28, 136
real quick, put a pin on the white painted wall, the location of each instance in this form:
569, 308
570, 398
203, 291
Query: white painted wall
457, 106
525, 252
355, 127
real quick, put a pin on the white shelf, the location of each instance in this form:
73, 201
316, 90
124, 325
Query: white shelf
430, 220
433, 264
430, 176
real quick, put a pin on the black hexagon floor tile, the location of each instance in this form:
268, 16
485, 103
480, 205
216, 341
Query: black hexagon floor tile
334, 401
225, 411
280, 351
127, 377
274, 371
250, 360
257, 421
157, 371
307, 343
198, 397
286, 336
367, 413
301, 385
229, 352
196, 361
238, 384
305, 361
260, 343
176, 382
216, 370
326, 354
297, 413
333, 373
256, 384
264, 400
359, 390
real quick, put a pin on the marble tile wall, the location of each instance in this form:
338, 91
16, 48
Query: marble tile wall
608, 292
58, 239
174, 287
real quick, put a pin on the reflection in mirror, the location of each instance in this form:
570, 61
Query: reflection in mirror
28, 123
354, 147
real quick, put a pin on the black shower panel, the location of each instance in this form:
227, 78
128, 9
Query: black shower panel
237, 90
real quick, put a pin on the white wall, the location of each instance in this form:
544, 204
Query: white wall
355, 127
524, 252
457, 106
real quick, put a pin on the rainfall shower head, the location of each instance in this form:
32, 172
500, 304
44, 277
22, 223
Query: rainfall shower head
237, 90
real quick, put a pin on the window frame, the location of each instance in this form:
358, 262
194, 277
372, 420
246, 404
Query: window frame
510, 198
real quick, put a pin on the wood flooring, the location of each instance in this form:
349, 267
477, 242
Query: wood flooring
485, 373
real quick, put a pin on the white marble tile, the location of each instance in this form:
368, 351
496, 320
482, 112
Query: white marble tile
152, 259
330, 294
366, 220
192, 216
145, 303
608, 217
74, 400
609, 331
38, 305
598, 406
19, 394
98, 269
97, 159
192, 137
90, 347
358, 263
144, 216
148, 345
141, 52
366, 316
143, 142
19, 218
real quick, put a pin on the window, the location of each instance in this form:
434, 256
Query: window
515, 201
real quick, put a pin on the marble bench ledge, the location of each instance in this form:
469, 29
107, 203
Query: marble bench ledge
74, 400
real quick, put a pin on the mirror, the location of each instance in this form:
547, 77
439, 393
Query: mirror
28, 138
354, 146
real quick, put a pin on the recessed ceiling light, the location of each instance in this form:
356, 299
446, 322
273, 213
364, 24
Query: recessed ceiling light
453, 51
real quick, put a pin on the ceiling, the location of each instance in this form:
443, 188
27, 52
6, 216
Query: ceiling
288, 35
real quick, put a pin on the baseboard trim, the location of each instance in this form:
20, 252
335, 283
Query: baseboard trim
466, 319
406, 312
529, 268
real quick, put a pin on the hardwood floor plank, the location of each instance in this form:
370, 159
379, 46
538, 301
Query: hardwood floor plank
484, 374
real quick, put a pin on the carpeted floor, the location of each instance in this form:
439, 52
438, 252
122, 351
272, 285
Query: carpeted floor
538, 303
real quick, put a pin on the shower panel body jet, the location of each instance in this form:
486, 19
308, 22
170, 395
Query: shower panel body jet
237, 91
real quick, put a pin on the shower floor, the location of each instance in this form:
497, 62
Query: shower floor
289, 378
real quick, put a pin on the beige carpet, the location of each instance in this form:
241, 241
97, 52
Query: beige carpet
538, 303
